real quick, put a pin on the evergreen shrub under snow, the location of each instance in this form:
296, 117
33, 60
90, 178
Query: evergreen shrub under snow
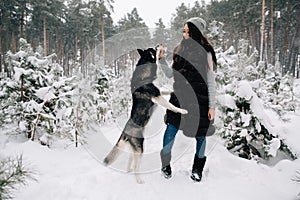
45, 103
245, 124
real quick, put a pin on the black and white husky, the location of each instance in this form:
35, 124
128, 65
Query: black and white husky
144, 95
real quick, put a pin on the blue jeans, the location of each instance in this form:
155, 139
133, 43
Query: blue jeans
169, 138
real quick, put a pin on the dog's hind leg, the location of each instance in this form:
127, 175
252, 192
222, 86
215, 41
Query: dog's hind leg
129, 166
137, 151
115, 152
164, 103
137, 160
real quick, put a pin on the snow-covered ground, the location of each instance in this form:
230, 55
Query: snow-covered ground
64, 172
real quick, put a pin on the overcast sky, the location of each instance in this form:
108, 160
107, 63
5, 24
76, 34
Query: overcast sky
149, 10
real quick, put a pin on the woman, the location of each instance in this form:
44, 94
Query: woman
193, 66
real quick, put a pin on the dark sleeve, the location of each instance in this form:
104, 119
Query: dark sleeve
178, 62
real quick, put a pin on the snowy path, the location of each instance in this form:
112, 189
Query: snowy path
74, 174
77, 173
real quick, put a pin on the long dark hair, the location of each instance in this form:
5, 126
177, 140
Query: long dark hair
196, 35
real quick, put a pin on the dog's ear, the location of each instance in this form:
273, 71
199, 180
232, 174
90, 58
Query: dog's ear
140, 51
158, 46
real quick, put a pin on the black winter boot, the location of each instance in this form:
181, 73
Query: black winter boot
198, 168
166, 171
166, 168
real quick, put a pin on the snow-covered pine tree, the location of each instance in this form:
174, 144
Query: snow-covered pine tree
120, 90
246, 129
236, 65
102, 80
285, 98
12, 173
45, 103
87, 108
268, 87
84, 101
11, 93
63, 109
33, 77
9, 101
276, 90
217, 34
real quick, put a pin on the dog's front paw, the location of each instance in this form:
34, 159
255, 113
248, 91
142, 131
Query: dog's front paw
182, 111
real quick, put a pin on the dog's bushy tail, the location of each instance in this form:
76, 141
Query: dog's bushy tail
112, 156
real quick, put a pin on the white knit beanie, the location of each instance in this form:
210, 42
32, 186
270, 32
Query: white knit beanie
198, 22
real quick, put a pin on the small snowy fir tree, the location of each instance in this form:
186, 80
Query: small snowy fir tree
246, 128
45, 103
12, 174
33, 77
120, 91
9, 101
285, 97
102, 81
237, 65
81, 102
268, 87
246, 125
216, 34
276, 90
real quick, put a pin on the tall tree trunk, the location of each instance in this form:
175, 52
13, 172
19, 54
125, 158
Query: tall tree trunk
22, 24
251, 39
294, 49
103, 41
13, 41
272, 53
280, 41
76, 125
45, 37
76, 47
1, 50
255, 37
68, 61
56, 41
0, 62
6, 48
23, 19
266, 56
262, 34
61, 54
287, 27
286, 38
298, 64
82, 58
